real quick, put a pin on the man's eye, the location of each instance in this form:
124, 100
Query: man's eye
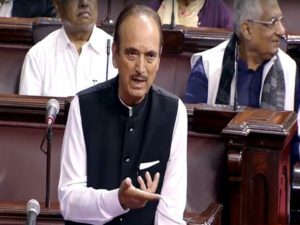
274, 22
151, 57
131, 54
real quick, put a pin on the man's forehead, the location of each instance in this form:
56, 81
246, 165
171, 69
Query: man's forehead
138, 18
143, 50
136, 33
139, 45
73, 1
270, 7
139, 24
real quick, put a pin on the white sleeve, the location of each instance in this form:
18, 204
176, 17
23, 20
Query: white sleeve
78, 202
174, 189
31, 78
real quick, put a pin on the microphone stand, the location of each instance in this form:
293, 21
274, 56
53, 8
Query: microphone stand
108, 20
107, 56
48, 165
172, 25
236, 58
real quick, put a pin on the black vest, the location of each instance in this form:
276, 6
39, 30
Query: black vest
116, 143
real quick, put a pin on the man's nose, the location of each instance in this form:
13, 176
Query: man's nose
280, 28
83, 2
140, 64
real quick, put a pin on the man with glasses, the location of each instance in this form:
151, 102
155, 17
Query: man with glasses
249, 69
69, 59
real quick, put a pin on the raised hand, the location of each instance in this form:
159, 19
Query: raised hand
131, 197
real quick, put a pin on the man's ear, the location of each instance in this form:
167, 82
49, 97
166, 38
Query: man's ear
57, 6
114, 54
245, 30
159, 57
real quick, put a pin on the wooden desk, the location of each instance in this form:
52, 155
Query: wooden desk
15, 213
258, 149
245, 156
22, 163
17, 35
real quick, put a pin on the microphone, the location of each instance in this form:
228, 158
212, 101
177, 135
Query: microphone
172, 25
108, 20
52, 109
236, 58
284, 37
107, 56
32, 210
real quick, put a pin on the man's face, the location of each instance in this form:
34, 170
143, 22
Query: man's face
137, 57
78, 13
265, 39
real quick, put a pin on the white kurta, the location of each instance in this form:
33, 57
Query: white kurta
6, 8
88, 205
212, 63
53, 66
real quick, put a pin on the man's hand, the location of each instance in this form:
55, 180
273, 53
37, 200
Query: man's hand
131, 197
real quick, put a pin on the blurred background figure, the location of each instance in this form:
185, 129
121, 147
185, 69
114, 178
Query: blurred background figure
195, 13
27, 8
72, 58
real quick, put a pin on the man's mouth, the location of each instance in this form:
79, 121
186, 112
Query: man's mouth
138, 79
84, 14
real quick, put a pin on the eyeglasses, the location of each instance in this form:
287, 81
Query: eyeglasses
270, 24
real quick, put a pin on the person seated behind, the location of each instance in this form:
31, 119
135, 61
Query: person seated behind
69, 59
195, 13
125, 142
27, 8
265, 75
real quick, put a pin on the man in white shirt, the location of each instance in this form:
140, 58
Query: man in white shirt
70, 59
124, 148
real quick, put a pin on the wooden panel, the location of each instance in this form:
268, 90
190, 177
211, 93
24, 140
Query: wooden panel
16, 30
260, 139
15, 214
11, 56
206, 166
254, 162
22, 163
179, 45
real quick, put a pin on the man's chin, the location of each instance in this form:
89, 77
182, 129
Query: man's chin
271, 54
137, 96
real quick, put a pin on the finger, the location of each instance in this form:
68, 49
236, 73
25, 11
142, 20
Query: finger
144, 195
148, 180
142, 183
127, 182
125, 185
154, 183
156, 177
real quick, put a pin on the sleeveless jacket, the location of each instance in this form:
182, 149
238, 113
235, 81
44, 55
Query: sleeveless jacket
118, 140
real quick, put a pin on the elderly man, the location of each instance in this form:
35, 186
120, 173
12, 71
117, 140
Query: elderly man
70, 59
249, 69
125, 142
